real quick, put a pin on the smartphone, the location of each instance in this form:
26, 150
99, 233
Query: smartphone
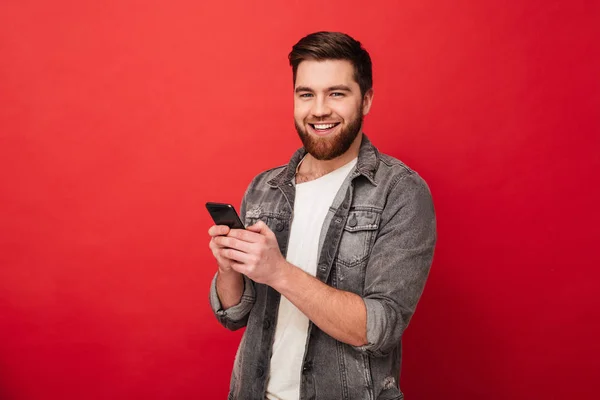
225, 214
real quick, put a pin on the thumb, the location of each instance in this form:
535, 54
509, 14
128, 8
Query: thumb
259, 227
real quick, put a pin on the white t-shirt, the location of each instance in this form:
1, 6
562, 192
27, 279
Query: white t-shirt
311, 205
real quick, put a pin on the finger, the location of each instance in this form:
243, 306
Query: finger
218, 230
215, 249
233, 243
221, 253
236, 255
239, 267
260, 227
222, 262
245, 235
212, 245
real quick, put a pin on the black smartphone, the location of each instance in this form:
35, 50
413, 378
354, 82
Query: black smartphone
225, 214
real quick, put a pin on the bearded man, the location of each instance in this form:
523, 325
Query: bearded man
337, 248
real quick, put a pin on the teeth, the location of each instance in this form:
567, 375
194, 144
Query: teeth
324, 126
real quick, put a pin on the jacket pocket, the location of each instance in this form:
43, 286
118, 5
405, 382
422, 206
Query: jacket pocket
361, 226
277, 222
355, 247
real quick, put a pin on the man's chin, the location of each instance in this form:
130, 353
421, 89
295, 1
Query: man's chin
328, 147
324, 148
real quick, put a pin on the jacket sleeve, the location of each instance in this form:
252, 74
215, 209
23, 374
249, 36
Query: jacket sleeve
399, 263
234, 317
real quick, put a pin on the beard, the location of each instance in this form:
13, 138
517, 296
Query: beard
328, 148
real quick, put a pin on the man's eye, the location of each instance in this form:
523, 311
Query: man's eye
305, 95
337, 94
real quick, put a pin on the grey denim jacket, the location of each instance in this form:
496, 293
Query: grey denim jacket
377, 241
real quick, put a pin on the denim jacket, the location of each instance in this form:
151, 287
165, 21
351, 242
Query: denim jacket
377, 241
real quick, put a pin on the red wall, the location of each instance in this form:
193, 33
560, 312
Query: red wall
118, 120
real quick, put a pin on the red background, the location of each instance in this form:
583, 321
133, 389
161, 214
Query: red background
118, 120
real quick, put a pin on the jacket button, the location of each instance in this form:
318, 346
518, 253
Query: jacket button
307, 366
266, 324
260, 372
279, 227
353, 222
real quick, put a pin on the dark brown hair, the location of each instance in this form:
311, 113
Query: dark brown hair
322, 46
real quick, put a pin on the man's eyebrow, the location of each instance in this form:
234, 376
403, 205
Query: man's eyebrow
336, 88
303, 89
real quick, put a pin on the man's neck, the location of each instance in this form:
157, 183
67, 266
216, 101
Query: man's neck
311, 168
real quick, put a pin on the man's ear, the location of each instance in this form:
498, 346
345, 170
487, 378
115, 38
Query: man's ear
367, 101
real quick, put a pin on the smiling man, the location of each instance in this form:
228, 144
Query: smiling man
337, 249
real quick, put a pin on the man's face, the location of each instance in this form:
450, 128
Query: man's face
328, 107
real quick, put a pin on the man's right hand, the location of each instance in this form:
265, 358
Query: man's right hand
230, 284
223, 262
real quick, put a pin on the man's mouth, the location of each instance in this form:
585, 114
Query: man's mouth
323, 129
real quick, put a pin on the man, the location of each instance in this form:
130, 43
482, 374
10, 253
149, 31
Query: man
340, 241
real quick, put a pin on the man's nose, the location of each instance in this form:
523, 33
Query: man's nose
320, 107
